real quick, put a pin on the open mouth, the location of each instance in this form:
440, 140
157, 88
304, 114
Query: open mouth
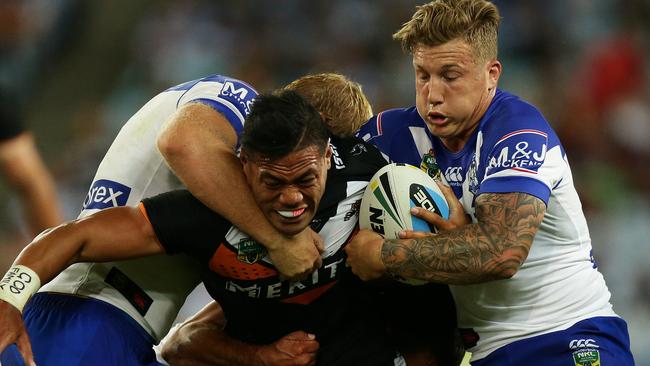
437, 118
291, 214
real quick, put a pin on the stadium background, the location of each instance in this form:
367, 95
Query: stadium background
81, 68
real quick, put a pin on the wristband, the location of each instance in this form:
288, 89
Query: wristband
18, 285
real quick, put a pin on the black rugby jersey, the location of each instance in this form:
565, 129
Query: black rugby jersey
260, 307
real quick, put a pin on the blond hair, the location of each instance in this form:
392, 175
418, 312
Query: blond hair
474, 21
340, 101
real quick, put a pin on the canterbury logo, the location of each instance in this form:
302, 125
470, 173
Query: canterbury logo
583, 343
454, 174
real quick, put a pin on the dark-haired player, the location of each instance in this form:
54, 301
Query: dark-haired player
287, 157
189, 132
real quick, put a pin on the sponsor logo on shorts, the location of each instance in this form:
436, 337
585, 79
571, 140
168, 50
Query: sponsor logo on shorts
586, 353
587, 357
105, 194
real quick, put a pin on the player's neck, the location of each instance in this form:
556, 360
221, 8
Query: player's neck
456, 143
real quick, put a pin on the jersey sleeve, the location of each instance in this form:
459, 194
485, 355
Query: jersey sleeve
523, 155
230, 97
397, 133
183, 224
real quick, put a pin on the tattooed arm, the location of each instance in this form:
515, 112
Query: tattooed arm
492, 248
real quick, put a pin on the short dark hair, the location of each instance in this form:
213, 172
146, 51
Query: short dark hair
281, 123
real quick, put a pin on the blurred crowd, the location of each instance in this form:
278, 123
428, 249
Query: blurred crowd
79, 69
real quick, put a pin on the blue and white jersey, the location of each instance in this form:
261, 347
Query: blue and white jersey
151, 290
513, 150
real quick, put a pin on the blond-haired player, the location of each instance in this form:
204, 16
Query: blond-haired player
526, 286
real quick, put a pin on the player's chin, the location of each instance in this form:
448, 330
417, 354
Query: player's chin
293, 225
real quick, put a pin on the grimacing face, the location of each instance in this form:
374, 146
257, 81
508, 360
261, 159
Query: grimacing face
288, 189
453, 89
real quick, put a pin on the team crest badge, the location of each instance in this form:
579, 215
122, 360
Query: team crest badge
586, 357
249, 251
471, 176
430, 166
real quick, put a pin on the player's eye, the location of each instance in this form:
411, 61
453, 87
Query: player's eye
272, 183
450, 76
307, 181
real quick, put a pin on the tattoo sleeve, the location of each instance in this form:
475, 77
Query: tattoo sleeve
492, 248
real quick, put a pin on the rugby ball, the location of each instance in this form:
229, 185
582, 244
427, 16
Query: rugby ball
389, 197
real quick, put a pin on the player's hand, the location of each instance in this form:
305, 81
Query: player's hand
294, 349
299, 256
12, 330
364, 255
457, 216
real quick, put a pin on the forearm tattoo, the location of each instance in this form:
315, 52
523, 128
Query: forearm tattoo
493, 248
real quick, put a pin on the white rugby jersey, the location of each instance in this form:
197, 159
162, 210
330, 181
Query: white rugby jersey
513, 150
151, 290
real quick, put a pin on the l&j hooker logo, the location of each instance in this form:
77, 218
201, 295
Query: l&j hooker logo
105, 194
523, 150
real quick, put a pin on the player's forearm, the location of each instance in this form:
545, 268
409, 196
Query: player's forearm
201, 151
219, 183
493, 248
52, 251
197, 344
90, 239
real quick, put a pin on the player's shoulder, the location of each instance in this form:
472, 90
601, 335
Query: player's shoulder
224, 81
353, 157
509, 113
389, 122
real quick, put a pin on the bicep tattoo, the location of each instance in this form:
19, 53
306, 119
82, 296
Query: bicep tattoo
493, 248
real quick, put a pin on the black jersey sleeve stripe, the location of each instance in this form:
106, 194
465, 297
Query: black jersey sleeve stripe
185, 225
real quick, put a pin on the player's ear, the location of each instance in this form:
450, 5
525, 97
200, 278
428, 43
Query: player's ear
243, 156
494, 68
328, 156
246, 161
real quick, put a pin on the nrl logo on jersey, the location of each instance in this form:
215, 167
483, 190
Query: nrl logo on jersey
430, 166
249, 251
